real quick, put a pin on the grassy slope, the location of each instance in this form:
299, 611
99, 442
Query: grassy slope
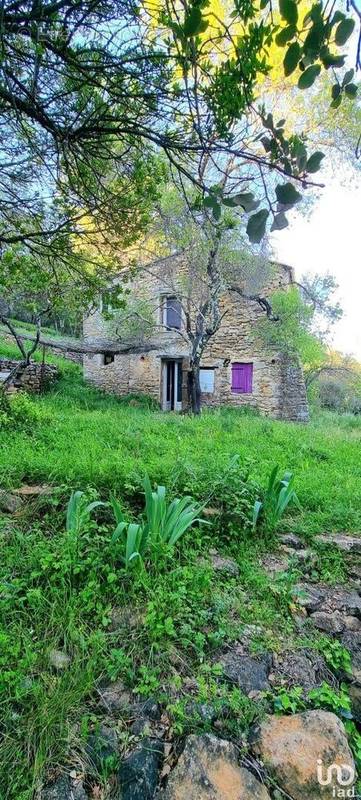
90, 439
183, 613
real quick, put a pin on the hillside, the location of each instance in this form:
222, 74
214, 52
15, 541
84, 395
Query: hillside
210, 635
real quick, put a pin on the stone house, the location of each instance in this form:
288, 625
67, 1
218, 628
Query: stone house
237, 368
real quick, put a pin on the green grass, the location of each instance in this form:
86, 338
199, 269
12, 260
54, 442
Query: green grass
53, 595
88, 438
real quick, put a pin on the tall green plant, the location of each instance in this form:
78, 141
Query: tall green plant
166, 523
278, 496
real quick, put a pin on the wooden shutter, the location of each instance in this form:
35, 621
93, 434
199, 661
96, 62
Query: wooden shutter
242, 378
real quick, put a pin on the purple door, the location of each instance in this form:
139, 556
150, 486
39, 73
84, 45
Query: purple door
242, 378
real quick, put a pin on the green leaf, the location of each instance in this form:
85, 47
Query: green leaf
343, 31
217, 211
257, 225
314, 38
336, 102
351, 90
193, 23
330, 60
285, 35
335, 91
245, 199
347, 78
337, 17
309, 76
287, 195
314, 162
291, 58
289, 11
280, 221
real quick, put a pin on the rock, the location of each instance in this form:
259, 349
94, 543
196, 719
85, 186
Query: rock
222, 564
342, 600
352, 623
147, 709
291, 540
9, 502
64, 789
102, 748
355, 696
208, 769
304, 668
327, 599
308, 596
248, 673
274, 565
58, 659
290, 748
342, 541
202, 711
330, 623
60, 790
34, 491
114, 697
306, 557
138, 774
126, 618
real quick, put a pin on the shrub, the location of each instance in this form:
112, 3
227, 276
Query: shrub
332, 394
19, 412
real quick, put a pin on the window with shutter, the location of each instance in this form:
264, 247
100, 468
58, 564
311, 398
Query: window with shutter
242, 378
206, 380
173, 313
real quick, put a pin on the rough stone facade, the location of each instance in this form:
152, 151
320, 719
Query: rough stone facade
35, 378
278, 388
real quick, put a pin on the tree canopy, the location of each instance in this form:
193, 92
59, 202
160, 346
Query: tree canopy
93, 92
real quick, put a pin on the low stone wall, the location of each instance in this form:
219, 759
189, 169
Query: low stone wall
35, 378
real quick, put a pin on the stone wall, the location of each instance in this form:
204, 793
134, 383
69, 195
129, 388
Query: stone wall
278, 387
35, 378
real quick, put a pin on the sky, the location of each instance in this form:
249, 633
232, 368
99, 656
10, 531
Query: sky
328, 240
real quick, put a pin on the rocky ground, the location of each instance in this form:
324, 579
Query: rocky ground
286, 755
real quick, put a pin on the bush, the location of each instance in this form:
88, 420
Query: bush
19, 412
332, 394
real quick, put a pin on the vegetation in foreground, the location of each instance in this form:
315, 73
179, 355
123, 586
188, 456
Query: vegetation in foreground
159, 624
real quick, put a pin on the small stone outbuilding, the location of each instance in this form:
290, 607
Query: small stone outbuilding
238, 368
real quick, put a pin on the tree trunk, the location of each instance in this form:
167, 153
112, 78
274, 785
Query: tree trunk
195, 388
